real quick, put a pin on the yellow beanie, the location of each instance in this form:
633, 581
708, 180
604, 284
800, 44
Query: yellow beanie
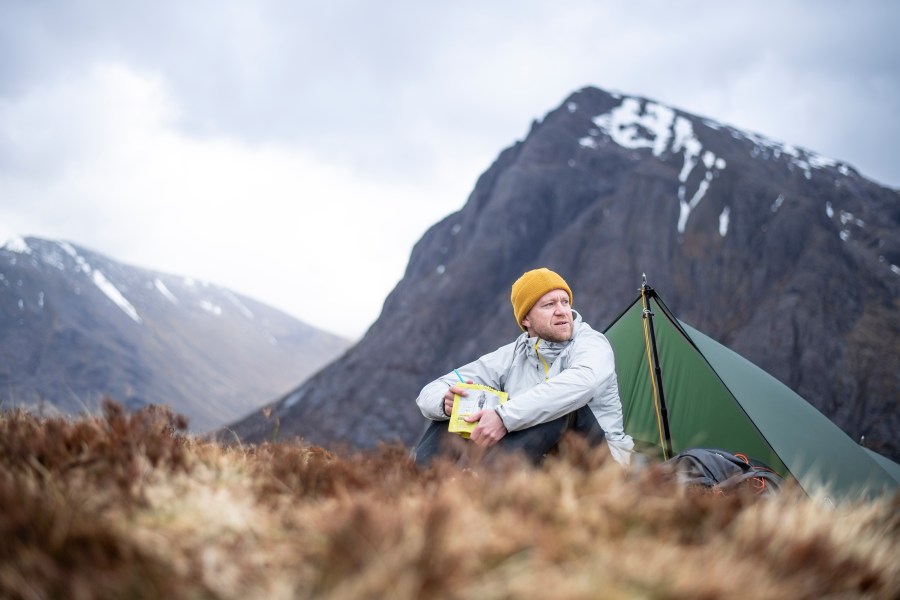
529, 288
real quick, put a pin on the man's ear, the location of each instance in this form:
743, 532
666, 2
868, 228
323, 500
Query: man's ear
525, 323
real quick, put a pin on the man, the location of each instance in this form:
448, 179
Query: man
560, 375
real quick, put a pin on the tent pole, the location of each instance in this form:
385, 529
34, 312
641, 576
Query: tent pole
647, 292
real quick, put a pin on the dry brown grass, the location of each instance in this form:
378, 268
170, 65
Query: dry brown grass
129, 506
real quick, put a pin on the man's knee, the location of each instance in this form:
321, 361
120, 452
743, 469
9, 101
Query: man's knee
534, 442
435, 441
585, 423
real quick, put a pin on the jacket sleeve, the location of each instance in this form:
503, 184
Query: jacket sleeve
591, 369
489, 370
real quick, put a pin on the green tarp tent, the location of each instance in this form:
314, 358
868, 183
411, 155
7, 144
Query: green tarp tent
708, 396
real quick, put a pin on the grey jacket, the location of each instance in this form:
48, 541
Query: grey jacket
545, 382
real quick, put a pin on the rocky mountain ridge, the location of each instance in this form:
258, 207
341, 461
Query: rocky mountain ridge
76, 326
788, 257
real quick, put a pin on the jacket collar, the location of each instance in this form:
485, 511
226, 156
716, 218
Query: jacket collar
554, 349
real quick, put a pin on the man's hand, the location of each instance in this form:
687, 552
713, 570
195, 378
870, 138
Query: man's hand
448, 397
490, 428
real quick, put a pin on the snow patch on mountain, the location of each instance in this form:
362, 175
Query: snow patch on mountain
847, 219
636, 125
238, 304
292, 399
18, 245
102, 283
694, 155
805, 160
161, 287
777, 204
54, 259
641, 124
724, 219
210, 307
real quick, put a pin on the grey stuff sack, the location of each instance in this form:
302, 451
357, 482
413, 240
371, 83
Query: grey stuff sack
723, 471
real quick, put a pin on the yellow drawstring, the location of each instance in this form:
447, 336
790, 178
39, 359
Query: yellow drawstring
546, 366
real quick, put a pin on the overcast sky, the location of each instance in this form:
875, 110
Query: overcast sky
295, 151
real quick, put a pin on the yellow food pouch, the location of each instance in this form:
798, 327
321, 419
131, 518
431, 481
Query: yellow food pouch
480, 397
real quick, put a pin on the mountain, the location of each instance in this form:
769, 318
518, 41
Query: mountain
76, 325
788, 257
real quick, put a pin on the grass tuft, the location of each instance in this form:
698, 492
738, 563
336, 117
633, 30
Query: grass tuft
127, 505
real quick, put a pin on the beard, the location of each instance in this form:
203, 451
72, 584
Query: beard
553, 333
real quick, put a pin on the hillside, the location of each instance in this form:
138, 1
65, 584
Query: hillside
128, 506
788, 257
76, 326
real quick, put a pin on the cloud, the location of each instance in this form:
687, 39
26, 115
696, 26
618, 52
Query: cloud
274, 146
265, 219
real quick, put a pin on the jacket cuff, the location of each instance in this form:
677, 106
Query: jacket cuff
499, 411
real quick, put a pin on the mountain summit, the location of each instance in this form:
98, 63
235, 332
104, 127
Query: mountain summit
76, 326
788, 257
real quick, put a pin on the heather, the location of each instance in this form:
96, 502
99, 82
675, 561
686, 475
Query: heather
129, 505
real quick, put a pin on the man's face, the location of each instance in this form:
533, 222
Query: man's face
550, 318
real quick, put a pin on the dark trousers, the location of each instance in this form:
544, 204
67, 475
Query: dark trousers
533, 442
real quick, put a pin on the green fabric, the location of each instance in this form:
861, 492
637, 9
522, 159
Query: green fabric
702, 413
816, 451
718, 399
892, 468
635, 388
